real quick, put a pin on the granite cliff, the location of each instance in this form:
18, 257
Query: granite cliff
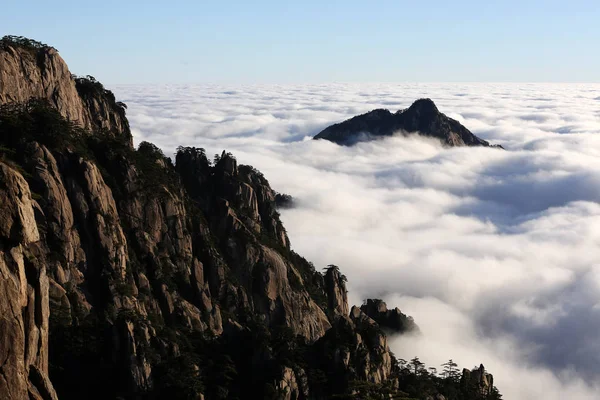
30, 69
125, 275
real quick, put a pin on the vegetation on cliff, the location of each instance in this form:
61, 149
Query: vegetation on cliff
22, 42
177, 280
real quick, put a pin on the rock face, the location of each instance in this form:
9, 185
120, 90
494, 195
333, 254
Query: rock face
356, 350
479, 379
288, 385
422, 117
41, 73
125, 276
127, 263
24, 300
377, 367
393, 321
242, 212
337, 294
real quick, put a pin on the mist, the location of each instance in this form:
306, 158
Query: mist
494, 253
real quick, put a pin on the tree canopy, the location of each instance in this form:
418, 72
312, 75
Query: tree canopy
22, 42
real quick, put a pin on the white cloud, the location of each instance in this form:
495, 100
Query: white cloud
495, 253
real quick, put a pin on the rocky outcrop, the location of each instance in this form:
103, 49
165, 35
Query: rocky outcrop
393, 321
24, 303
139, 254
241, 208
125, 276
337, 294
55, 216
96, 208
41, 73
376, 365
250, 194
422, 117
288, 387
479, 379
355, 350
17, 220
279, 303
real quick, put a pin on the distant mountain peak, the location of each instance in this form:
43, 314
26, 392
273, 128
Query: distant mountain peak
123, 275
422, 117
424, 107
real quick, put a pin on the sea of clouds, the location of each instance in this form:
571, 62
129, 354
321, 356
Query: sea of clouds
495, 253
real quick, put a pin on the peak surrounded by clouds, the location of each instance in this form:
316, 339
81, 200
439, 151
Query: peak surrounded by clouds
493, 252
422, 118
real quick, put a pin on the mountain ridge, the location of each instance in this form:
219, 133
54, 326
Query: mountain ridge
125, 275
422, 117
33, 70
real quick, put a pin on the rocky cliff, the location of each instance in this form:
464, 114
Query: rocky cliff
393, 321
422, 117
125, 275
32, 70
24, 304
479, 380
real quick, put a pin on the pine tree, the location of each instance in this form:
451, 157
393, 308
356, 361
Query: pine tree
417, 365
450, 370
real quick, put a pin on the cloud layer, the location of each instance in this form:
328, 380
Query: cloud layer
495, 253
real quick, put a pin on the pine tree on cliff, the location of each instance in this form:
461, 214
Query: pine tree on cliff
450, 370
417, 365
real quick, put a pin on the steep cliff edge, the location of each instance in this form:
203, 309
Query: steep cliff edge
24, 300
32, 70
123, 275
393, 321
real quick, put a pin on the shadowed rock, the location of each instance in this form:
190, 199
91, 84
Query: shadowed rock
125, 276
42, 74
422, 117
479, 379
390, 320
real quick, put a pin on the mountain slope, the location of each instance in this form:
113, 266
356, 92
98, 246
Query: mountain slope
422, 117
32, 70
124, 275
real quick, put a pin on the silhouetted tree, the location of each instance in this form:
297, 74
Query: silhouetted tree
450, 370
23, 42
417, 366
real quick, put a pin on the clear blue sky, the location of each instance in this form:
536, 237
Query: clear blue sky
244, 41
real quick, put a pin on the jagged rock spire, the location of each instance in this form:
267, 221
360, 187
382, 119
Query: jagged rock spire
337, 294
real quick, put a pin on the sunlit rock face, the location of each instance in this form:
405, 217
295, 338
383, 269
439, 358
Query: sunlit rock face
40, 73
124, 275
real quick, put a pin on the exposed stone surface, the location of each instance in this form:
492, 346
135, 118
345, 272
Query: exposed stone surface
288, 385
360, 348
144, 257
24, 299
130, 277
57, 218
393, 321
480, 379
279, 303
43, 74
422, 117
17, 219
337, 294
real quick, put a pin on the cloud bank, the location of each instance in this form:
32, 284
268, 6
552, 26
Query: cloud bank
495, 253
